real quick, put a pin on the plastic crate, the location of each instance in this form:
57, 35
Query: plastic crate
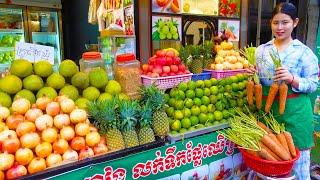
201, 76
219, 74
165, 82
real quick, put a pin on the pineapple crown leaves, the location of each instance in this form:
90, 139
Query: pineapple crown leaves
128, 112
154, 95
145, 114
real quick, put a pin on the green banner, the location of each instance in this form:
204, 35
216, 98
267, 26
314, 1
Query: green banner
210, 155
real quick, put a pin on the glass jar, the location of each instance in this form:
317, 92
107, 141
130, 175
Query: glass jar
91, 60
316, 108
127, 73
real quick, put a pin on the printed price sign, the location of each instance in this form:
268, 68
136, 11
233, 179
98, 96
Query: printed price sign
34, 52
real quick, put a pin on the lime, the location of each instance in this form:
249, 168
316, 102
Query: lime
194, 120
203, 109
241, 85
228, 81
219, 96
170, 111
235, 86
172, 102
188, 103
186, 123
183, 86
207, 83
191, 85
203, 118
173, 132
187, 112
178, 114
232, 103
214, 90
234, 79
208, 124
213, 81
199, 92
173, 93
176, 125
218, 115
240, 77
200, 84
232, 111
223, 121
205, 100
166, 97
182, 131
240, 102
213, 99
221, 82
179, 104
225, 114
228, 88
197, 101
200, 126
190, 94
170, 121
216, 122
211, 108
180, 95
219, 106
221, 89
192, 128
195, 110
206, 92
210, 117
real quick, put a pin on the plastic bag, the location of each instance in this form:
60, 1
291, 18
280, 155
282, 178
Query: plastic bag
92, 13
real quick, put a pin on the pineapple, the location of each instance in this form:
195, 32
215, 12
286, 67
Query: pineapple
160, 121
128, 116
196, 65
145, 133
104, 117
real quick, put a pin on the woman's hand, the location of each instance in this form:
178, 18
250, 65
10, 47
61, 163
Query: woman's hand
282, 74
251, 70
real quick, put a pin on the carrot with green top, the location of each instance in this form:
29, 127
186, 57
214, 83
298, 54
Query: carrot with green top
283, 91
250, 91
274, 88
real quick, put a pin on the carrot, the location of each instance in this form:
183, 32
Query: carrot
290, 143
283, 141
258, 95
273, 146
264, 154
271, 95
264, 127
275, 139
250, 91
283, 91
262, 146
252, 152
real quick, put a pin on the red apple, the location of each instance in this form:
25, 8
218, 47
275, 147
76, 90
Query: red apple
169, 61
174, 68
152, 60
149, 74
145, 67
166, 69
161, 53
154, 75
163, 74
170, 53
187, 72
150, 67
176, 60
157, 70
161, 61
172, 74
182, 67
180, 72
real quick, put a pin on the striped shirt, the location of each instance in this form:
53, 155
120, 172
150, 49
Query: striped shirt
297, 58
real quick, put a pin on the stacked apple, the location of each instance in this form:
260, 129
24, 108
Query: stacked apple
165, 62
45, 134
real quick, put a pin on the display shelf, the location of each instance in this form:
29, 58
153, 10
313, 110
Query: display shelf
199, 15
177, 137
12, 31
50, 172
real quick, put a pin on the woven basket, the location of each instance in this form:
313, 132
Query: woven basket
165, 82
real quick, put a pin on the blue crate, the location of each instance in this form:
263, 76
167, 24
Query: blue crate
203, 76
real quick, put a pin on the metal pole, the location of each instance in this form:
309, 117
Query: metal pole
259, 23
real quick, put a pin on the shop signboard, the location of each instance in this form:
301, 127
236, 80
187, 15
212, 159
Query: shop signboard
209, 156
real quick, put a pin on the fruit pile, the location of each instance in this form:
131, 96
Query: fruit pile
166, 30
32, 81
228, 59
45, 134
198, 104
165, 62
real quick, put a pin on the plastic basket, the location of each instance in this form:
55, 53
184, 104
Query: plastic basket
268, 168
165, 82
201, 76
219, 74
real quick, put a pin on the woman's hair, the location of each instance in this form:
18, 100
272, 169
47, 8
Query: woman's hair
286, 8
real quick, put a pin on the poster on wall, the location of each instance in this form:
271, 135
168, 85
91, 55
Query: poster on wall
129, 20
206, 7
166, 6
230, 29
166, 28
229, 8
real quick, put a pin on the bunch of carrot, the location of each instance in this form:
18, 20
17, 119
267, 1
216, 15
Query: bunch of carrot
254, 88
275, 88
258, 139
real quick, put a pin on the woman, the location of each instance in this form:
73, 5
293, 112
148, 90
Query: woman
299, 69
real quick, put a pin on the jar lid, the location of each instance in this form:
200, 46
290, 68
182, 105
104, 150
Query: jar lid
91, 55
125, 57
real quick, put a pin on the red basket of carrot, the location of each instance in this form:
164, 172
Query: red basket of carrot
267, 149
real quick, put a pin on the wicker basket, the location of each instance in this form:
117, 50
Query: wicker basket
165, 82
268, 168
219, 74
